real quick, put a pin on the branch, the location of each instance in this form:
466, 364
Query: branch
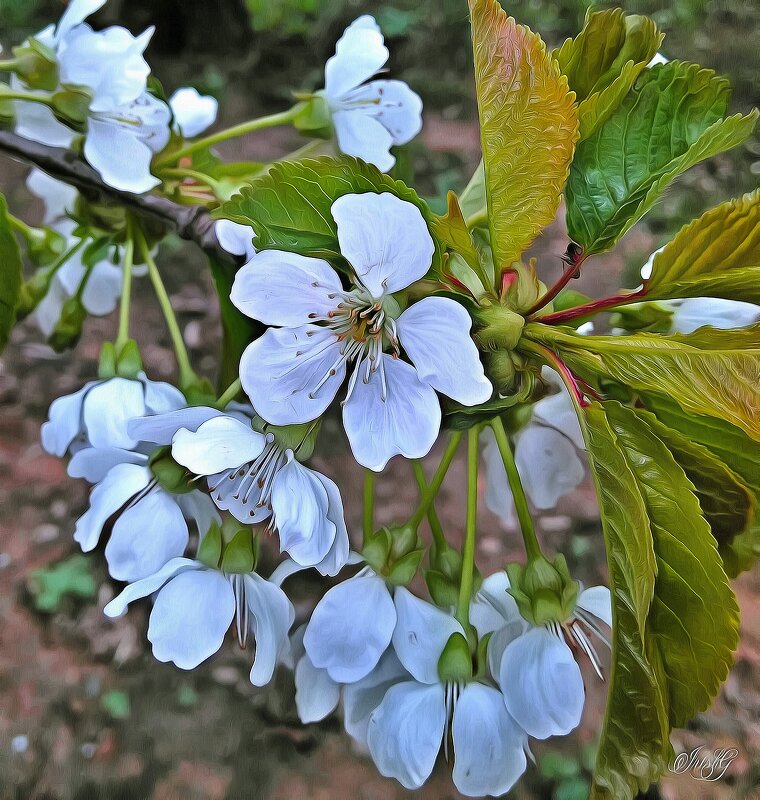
193, 223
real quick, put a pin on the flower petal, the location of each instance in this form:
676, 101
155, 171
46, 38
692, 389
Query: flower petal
360, 699
489, 747
299, 505
498, 497
160, 428
405, 423
596, 600
351, 627
317, 694
146, 535
542, 684
94, 463
107, 409
193, 112
76, 13
362, 136
393, 104
272, 614
146, 586
200, 508
218, 444
103, 289
161, 397
406, 730
385, 239
359, 54
557, 410
691, 314
492, 606
122, 483
64, 422
190, 617
548, 464
235, 238
420, 635
338, 554
281, 370
279, 288
430, 331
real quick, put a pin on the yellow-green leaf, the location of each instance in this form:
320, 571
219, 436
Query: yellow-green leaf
528, 128
10, 274
717, 255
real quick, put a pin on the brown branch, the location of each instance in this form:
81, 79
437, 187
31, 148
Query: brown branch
192, 223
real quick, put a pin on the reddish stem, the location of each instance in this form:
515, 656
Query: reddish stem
571, 382
545, 299
587, 310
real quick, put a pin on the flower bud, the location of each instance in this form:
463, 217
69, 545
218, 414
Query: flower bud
455, 663
500, 327
107, 362
313, 117
394, 552
445, 575
68, 329
237, 555
36, 65
44, 246
543, 590
521, 286
170, 475
128, 360
210, 548
71, 107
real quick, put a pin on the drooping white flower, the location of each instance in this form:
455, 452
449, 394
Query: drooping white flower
193, 112
235, 238
546, 454
255, 479
406, 730
293, 372
535, 666
195, 606
369, 117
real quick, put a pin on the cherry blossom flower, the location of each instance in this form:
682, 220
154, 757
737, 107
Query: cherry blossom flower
293, 372
195, 605
370, 117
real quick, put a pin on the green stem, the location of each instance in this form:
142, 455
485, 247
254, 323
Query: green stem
433, 487
187, 375
229, 394
532, 547
31, 97
181, 172
468, 550
126, 291
271, 121
435, 524
25, 230
368, 522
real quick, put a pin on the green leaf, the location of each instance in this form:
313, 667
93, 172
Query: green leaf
451, 230
528, 128
472, 201
711, 372
671, 120
669, 669
11, 276
717, 255
289, 207
604, 60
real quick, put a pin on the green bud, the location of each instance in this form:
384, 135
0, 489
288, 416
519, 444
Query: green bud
313, 117
68, 329
455, 663
32, 292
404, 569
481, 656
210, 549
71, 106
377, 548
36, 65
129, 362
170, 475
521, 287
107, 362
44, 246
238, 554
543, 590
500, 327
443, 590
300, 438
404, 539
500, 368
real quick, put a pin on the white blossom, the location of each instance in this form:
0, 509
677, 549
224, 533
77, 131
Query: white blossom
235, 238
293, 372
193, 112
369, 117
195, 605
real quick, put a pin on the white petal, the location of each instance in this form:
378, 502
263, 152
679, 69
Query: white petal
272, 614
192, 111
218, 444
299, 506
146, 535
489, 747
718, 312
405, 423
360, 699
317, 694
160, 428
542, 684
420, 635
350, 628
406, 730
431, 331
123, 482
59, 197
239, 492
548, 464
64, 422
393, 104
385, 239
596, 600
199, 507
103, 289
235, 238
498, 497
338, 554
492, 606
120, 157
48, 310
359, 54
146, 586
161, 397
557, 410
282, 368
190, 617
77, 12
279, 288
94, 463
107, 409
360, 135
38, 124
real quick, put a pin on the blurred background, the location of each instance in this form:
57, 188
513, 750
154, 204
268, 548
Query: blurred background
85, 712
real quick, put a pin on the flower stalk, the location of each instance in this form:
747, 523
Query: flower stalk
434, 486
468, 549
